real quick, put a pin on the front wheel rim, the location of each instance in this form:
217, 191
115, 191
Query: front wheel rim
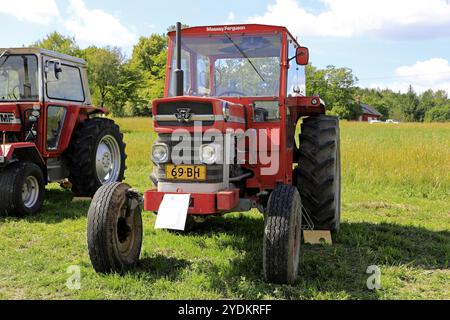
108, 160
30, 192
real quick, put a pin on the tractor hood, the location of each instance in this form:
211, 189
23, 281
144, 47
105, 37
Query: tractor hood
188, 112
10, 120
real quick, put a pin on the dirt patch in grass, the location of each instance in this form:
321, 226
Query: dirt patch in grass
383, 205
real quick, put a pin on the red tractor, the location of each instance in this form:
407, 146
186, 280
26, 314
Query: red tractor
49, 132
226, 137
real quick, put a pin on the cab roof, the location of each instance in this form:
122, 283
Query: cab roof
44, 52
233, 29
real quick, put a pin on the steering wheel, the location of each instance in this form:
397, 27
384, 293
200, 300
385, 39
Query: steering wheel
12, 93
231, 93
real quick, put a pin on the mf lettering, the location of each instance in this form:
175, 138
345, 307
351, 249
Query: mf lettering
7, 117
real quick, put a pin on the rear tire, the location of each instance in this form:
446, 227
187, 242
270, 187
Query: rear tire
22, 189
114, 229
319, 171
96, 156
282, 235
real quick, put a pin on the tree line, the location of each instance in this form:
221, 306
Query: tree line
126, 86
337, 87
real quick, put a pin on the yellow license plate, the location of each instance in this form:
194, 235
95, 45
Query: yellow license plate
184, 172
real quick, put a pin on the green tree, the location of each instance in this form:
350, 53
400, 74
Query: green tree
112, 81
441, 98
149, 60
438, 114
410, 106
150, 55
374, 98
337, 86
57, 42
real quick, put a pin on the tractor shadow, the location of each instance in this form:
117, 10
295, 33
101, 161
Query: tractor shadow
159, 266
336, 270
58, 207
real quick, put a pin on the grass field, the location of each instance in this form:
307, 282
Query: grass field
396, 215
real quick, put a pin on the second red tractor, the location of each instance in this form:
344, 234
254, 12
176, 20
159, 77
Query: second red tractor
49, 130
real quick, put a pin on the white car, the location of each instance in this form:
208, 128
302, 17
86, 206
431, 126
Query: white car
392, 121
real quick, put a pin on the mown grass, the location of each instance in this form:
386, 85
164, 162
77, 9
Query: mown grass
396, 215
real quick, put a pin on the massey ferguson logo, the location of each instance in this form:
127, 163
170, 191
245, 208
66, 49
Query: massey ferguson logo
183, 114
7, 118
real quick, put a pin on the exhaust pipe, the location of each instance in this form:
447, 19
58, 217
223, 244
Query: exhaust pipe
178, 73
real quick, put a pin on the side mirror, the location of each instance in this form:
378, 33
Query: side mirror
57, 69
302, 56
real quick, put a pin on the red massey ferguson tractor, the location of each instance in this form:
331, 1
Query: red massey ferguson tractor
48, 131
226, 137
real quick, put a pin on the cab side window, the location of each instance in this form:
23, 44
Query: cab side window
66, 85
296, 82
266, 111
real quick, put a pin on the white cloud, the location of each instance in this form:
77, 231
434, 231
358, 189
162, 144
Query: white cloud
42, 11
397, 19
96, 26
423, 75
231, 16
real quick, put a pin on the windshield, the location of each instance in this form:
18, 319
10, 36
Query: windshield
18, 78
230, 65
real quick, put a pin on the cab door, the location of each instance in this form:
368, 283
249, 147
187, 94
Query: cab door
64, 94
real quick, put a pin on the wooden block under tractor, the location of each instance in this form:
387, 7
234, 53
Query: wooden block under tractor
317, 236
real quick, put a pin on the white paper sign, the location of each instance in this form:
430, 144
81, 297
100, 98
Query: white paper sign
172, 213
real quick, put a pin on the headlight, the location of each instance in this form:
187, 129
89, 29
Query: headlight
160, 153
210, 153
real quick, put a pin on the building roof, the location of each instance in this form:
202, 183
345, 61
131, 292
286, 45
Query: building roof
366, 109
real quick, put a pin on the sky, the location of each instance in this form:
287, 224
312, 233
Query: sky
387, 43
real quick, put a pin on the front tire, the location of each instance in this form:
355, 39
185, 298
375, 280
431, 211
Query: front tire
114, 228
282, 235
22, 189
96, 156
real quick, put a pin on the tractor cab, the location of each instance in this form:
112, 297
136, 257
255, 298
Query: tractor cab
247, 80
38, 88
249, 61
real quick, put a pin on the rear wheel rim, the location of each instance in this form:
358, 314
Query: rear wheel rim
108, 161
125, 230
30, 192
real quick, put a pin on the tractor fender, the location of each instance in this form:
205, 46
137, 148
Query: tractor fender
89, 111
22, 151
